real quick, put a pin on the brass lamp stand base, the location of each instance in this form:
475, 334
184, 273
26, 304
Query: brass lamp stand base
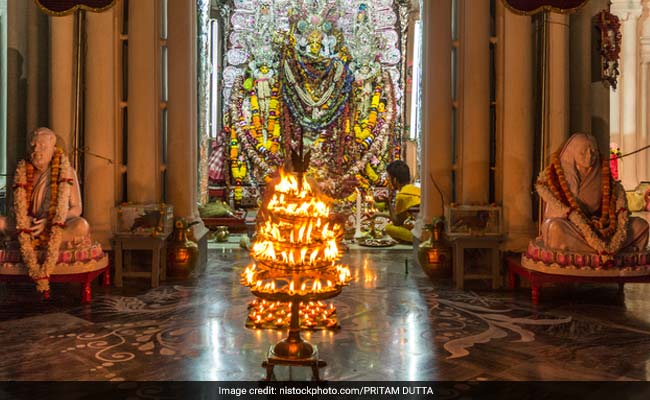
272, 359
293, 351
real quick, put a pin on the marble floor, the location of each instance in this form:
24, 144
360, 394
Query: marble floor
396, 325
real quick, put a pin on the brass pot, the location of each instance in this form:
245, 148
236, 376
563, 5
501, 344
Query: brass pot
182, 253
221, 233
434, 254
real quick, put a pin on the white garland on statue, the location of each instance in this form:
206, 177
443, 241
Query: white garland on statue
606, 249
40, 273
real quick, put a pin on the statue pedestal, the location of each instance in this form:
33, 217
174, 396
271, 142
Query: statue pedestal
517, 269
83, 270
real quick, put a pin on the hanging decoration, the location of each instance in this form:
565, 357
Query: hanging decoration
531, 7
609, 27
63, 7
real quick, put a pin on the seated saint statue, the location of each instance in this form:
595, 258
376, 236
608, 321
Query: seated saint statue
586, 209
46, 233
51, 195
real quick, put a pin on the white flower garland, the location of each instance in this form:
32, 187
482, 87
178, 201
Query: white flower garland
577, 218
40, 273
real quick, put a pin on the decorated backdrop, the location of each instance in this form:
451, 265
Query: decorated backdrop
326, 71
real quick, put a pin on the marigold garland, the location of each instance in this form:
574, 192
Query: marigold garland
606, 231
57, 214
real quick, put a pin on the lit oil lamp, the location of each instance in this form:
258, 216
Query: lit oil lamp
296, 246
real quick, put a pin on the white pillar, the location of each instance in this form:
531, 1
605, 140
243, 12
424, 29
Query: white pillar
3, 92
589, 96
580, 70
643, 167
628, 12
62, 78
36, 63
144, 143
436, 105
516, 110
182, 141
558, 82
16, 83
475, 103
182, 137
100, 109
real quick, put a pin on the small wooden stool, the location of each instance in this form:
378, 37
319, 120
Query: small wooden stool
158, 248
491, 243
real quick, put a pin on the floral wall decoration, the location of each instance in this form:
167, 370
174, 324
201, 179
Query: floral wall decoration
324, 70
609, 27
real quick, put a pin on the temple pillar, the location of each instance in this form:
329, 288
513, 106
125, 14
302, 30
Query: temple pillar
16, 83
27, 78
62, 75
589, 96
580, 71
3, 94
626, 96
436, 106
517, 130
475, 99
182, 137
36, 68
558, 82
100, 108
143, 144
643, 167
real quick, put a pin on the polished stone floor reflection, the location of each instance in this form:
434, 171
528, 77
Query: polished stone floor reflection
395, 325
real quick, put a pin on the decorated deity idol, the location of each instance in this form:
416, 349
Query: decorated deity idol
313, 86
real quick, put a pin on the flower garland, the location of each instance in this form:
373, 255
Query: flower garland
57, 214
315, 109
244, 135
606, 232
344, 146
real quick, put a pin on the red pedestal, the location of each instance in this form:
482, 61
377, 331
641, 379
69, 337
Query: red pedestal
84, 278
537, 279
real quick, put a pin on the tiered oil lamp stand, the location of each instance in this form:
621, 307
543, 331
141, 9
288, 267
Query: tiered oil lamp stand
293, 350
295, 255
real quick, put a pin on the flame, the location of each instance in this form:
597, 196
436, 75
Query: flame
294, 234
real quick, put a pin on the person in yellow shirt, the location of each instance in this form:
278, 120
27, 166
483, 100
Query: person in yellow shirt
407, 202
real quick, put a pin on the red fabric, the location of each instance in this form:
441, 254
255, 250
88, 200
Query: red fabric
217, 159
535, 6
64, 6
613, 166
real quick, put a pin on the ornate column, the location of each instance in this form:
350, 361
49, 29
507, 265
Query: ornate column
626, 96
643, 167
516, 132
16, 83
580, 70
182, 137
3, 93
62, 34
475, 102
558, 82
36, 68
436, 105
589, 99
100, 108
143, 145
